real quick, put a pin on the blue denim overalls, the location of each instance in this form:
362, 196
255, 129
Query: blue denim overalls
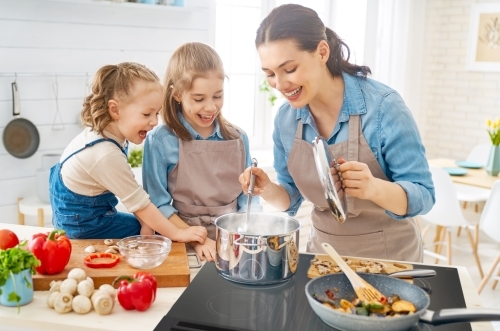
88, 217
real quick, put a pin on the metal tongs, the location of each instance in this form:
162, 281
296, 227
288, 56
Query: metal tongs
321, 154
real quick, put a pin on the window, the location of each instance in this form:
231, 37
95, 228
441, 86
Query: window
236, 24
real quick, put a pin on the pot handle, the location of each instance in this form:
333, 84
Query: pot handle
445, 316
15, 100
262, 241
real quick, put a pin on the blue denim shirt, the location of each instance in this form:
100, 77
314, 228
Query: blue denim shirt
161, 154
389, 129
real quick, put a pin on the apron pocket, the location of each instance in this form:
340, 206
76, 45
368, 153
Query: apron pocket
370, 245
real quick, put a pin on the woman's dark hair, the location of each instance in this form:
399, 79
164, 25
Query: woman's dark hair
304, 26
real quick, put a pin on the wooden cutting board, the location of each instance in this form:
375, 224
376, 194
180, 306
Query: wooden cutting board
390, 267
173, 272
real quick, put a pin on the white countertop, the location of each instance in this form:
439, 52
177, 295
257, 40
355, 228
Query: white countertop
37, 316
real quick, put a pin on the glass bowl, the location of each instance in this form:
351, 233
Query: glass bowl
145, 252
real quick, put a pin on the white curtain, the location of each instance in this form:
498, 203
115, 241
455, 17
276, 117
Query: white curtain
393, 46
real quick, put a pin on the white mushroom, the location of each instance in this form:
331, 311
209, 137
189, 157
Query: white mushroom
108, 242
85, 288
90, 280
116, 248
69, 286
51, 297
90, 249
109, 289
77, 273
63, 302
55, 286
111, 250
81, 304
102, 302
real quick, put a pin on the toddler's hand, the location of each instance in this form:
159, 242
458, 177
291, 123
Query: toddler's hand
206, 251
193, 233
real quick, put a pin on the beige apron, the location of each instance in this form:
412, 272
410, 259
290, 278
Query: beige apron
368, 231
204, 183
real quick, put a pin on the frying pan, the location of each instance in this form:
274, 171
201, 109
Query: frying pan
20, 136
388, 286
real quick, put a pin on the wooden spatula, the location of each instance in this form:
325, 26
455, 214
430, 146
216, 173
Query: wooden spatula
364, 291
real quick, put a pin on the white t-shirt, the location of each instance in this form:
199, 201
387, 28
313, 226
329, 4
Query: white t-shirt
102, 168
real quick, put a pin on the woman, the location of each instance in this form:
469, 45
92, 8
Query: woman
368, 129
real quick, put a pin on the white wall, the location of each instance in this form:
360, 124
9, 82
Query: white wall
71, 38
455, 102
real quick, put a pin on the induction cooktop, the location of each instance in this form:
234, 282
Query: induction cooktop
212, 303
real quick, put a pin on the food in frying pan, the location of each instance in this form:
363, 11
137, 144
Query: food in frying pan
328, 267
395, 306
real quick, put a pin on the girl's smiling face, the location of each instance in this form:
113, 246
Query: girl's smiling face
203, 102
137, 114
296, 74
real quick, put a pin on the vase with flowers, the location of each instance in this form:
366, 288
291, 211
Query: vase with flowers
493, 164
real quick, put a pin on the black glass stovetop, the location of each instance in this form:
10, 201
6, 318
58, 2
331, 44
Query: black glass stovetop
212, 303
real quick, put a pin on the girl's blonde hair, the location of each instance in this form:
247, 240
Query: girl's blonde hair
190, 61
111, 81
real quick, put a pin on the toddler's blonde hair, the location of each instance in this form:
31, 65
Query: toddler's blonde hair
112, 81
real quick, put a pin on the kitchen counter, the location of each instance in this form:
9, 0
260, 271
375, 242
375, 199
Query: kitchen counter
37, 316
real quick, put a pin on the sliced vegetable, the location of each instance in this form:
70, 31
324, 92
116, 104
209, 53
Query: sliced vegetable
52, 249
95, 260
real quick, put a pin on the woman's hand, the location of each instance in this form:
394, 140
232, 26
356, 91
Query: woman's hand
357, 179
192, 233
205, 251
261, 180
337, 179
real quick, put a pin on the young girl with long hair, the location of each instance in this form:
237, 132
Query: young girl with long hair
192, 162
93, 170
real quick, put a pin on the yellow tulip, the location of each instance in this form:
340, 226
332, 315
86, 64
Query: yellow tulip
488, 122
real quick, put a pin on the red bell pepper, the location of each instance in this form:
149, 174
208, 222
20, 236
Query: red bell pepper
90, 262
136, 292
52, 249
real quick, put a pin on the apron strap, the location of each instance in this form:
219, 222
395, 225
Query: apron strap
353, 150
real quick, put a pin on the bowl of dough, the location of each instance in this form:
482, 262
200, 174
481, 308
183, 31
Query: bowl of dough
145, 251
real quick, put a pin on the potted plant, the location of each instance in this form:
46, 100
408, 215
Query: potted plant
17, 267
135, 161
493, 164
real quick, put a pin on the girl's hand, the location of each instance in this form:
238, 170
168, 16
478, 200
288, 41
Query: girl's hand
357, 179
261, 180
206, 251
193, 233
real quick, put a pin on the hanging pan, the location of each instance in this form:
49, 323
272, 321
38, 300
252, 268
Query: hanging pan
20, 136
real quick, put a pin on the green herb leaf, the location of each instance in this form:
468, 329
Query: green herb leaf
13, 261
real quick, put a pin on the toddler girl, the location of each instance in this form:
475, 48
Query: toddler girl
93, 170
192, 162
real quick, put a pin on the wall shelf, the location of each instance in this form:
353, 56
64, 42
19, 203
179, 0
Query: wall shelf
123, 4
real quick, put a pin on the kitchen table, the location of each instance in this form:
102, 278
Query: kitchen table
37, 316
473, 177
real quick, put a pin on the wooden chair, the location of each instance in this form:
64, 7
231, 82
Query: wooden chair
490, 225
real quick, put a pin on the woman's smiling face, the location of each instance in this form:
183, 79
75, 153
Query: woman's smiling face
295, 73
203, 102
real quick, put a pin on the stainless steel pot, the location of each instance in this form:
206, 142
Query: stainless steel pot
266, 253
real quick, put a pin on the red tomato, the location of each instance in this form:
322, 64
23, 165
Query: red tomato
8, 239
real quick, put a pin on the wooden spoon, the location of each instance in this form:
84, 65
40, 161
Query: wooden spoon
364, 291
